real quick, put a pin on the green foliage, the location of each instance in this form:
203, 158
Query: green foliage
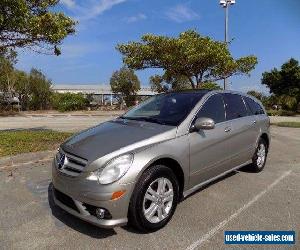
7, 61
33, 23
287, 102
280, 112
22, 87
256, 94
210, 86
17, 142
40, 90
164, 83
284, 81
126, 83
33, 89
68, 102
198, 58
288, 124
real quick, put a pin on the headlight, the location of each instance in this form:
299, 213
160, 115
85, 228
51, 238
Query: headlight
113, 171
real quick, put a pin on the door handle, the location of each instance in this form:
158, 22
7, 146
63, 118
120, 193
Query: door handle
228, 129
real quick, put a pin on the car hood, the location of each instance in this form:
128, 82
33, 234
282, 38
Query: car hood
111, 136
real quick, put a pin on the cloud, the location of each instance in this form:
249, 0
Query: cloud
182, 13
138, 17
68, 3
92, 9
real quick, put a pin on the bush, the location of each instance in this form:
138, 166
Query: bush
281, 112
69, 102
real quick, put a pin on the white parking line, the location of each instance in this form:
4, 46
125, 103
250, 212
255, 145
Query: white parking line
214, 230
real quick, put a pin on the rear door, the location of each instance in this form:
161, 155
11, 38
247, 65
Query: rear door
257, 118
242, 134
209, 149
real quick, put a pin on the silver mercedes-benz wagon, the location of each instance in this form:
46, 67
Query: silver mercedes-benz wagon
137, 167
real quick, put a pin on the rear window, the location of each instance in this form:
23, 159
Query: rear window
235, 107
253, 106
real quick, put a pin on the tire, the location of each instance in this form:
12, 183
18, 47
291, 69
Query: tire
259, 158
141, 207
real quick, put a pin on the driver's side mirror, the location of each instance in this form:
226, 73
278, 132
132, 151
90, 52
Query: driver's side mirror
203, 123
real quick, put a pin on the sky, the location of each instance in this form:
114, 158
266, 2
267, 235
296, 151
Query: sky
268, 29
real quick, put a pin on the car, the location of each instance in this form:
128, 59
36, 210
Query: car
136, 168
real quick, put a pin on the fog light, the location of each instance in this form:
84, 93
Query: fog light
100, 213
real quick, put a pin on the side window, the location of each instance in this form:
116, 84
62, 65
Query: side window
235, 107
254, 107
213, 108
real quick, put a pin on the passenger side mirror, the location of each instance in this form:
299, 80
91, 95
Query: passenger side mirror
204, 123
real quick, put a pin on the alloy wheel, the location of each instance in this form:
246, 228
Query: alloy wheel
158, 200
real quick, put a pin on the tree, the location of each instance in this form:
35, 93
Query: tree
68, 101
33, 23
7, 61
23, 88
210, 86
198, 58
256, 94
126, 83
165, 83
284, 81
40, 90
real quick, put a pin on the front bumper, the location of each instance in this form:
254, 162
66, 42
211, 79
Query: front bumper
80, 191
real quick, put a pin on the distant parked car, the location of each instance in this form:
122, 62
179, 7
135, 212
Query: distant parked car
8, 99
137, 167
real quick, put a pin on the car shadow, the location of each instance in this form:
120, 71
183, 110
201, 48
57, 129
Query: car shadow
75, 223
247, 169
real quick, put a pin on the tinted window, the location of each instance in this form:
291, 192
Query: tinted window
254, 107
235, 107
170, 109
213, 108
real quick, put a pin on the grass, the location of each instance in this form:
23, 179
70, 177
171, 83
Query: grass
25, 141
288, 124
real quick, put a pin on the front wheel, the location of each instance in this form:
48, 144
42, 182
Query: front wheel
154, 199
260, 156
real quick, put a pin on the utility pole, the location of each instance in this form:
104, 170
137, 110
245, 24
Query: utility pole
225, 4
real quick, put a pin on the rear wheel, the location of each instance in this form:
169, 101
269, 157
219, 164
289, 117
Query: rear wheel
154, 200
260, 156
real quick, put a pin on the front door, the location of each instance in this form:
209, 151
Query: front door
209, 149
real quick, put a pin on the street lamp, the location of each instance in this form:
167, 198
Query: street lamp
225, 4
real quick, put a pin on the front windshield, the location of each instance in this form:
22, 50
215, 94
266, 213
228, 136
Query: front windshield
169, 109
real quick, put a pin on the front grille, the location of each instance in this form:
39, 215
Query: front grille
70, 165
65, 199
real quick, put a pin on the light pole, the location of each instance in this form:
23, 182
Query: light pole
225, 4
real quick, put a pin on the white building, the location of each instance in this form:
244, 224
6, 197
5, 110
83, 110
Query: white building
100, 93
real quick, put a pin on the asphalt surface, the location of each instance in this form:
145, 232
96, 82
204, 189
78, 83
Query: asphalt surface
76, 121
66, 122
269, 200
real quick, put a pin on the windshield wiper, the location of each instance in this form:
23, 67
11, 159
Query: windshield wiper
146, 119
151, 119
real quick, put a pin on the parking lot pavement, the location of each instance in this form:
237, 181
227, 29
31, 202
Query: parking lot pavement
241, 201
76, 121
66, 122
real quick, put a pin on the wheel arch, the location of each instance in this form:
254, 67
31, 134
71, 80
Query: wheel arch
175, 167
266, 138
